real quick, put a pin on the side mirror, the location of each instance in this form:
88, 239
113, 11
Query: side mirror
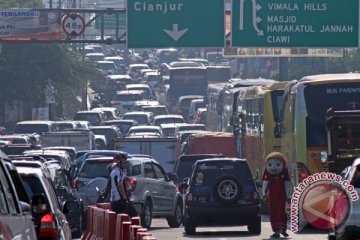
172, 177
25, 207
277, 130
38, 203
184, 185
71, 206
323, 157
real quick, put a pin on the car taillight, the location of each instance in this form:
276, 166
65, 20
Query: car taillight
303, 175
114, 104
132, 184
47, 227
75, 182
189, 199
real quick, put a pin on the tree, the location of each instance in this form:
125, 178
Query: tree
25, 69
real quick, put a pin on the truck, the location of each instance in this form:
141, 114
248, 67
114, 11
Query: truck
343, 135
164, 150
208, 142
81, 140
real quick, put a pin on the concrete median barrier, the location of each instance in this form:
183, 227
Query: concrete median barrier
125, 231
133, 231
89, 227
110, 225
104, 224
119, 220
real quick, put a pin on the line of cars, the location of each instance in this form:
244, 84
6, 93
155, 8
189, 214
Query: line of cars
31, 208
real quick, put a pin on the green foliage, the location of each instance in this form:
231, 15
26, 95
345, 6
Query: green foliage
8, 4
26, 68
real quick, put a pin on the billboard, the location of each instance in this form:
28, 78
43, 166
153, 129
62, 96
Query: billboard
29, 25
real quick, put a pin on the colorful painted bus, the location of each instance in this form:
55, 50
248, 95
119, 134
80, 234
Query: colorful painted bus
303, 123
259, 109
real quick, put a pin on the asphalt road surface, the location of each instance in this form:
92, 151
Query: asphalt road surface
161, 230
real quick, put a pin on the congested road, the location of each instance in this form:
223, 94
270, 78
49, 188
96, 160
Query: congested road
161, 231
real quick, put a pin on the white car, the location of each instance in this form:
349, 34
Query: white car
124, 100
106, 67
145, 129
134, 70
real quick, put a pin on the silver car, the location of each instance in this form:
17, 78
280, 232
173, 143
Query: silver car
152, 192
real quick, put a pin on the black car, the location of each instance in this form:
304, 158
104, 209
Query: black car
222, 192
66, 192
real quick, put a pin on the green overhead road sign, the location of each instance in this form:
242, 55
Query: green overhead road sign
174, 23
110, 21
289, 23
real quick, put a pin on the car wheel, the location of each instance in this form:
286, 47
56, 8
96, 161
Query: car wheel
146, 215
227, 189
255, 227
190, 228
176, 220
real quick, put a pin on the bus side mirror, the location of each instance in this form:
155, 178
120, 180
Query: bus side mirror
323, 157
277, 130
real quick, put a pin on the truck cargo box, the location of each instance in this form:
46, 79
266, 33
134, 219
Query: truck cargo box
211, 143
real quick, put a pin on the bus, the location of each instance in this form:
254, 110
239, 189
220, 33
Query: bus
184, 80
259, 110
229, 104
303, 122
217, 74
214, 107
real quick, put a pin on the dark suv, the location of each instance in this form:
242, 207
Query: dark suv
222, 192
183, 165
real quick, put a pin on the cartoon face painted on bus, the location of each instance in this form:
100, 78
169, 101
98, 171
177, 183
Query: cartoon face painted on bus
274, 166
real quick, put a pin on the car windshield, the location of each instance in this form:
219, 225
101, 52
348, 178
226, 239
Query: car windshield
159, 121
123, 126
213, 170
184, 169
168, 132
90, 117
94, 169
109, 133
138, 118
148, 130
64, 126
156, 110
33, 186
106, 66
128, 97
190, 128
31, 128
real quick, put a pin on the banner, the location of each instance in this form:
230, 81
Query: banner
29, 25
282, 52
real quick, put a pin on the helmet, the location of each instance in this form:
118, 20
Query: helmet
121, 157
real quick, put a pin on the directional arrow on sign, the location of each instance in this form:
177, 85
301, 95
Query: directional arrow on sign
175, 33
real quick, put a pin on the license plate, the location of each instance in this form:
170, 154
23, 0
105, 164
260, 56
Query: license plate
202, 198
